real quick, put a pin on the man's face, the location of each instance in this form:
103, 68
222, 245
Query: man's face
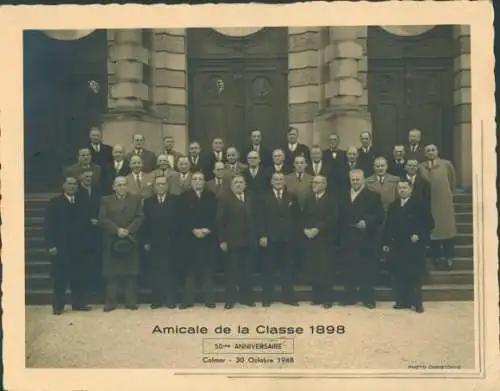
365, 139
169, 143
333, 140
380, 166
160, 185
316, 154
198, 181
70, 185
352, 155
404, 189
232, 156
431, 152
162, 162
139, 141
414, 137
318, 185
118, 153
84, 156
120, 186
412, 167
256, 137
278, 181
293, 136
136, 164
253, 159
183, 165
219, 170
278, 157
194, 149
399, 152
357, 180
217, 145
86, 178
299, 164
238, 185
95, 136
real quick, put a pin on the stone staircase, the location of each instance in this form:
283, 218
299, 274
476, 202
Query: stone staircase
452, 285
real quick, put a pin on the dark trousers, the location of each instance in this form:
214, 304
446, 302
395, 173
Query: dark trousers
162, 277
407, 288
199, 269
113, 283
239, 273
278, 270
360, 271
320, 265
442, 249
68, 269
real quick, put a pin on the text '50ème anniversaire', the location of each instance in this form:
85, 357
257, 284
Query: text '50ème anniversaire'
245, 330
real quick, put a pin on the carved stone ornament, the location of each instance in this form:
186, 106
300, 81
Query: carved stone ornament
407, 31
67, 35
237, 31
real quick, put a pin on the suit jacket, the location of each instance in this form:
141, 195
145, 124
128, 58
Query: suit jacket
387, 189
176, 185
323, 214
300, 150
264, 153
65, 226
302, 190
421, 189
419, 154
161, 224
237, 169
103, 157
237, 221
144, 189
201, 164
336, 161
198, 212
148, 159
366, 159
397, 168
174, 155
210, 163
260, 183
172, 179
324, 169
90, 204
76, 170
278, 218
218, 190
110, 173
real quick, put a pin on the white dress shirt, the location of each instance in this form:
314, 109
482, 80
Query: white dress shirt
292, 147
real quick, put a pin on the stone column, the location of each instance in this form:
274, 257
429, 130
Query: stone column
462, 138
170, 90
345, 91
303, 80
128, 91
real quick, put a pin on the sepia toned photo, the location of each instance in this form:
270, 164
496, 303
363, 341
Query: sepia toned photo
280, 199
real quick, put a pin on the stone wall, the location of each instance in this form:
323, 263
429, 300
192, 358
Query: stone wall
462, 137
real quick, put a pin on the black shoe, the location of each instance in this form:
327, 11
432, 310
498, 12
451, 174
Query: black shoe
315, 302
132, 307
400, 306
183, 306
419, 308
155, 306
82, 308
210, 305
327, 305
370, 305
170, 305
266, 303
248, 303
108, 308
229, 306
291, 302
57, 311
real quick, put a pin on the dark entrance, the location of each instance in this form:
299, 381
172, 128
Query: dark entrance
59, 104
237, 84
410, 84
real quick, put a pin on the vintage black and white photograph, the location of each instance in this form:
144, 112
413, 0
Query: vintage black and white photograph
266, 198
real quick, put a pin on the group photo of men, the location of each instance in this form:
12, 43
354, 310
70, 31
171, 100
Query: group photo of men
170, 222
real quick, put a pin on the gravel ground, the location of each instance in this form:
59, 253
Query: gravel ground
374, 339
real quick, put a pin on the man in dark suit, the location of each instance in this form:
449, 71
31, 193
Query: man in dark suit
361, 214
84, 163
256, 177
336, 159
415, 148
406, 234
118, 167
216, 155
198, 220
197, 159
320, 219
278, 164
101, 153
161, 242
397, 165
420, 185
294, 149
237, 229
318, 166
351, 163
148, 157
256, 145
279, 216
90, 200
121, 216
64, 231
169, 151
299, 181
233, 165
219, 185
366, 154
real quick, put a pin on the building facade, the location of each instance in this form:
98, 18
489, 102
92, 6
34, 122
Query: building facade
196, 84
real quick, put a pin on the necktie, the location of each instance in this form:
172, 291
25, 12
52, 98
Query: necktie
316, 168
161, 201
117, 166
300, 177
138, 180
381, 179
218, 182
254, 173
413, 148
241, 198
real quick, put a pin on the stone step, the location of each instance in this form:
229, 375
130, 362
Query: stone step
463, 217
465, 228
304, 294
